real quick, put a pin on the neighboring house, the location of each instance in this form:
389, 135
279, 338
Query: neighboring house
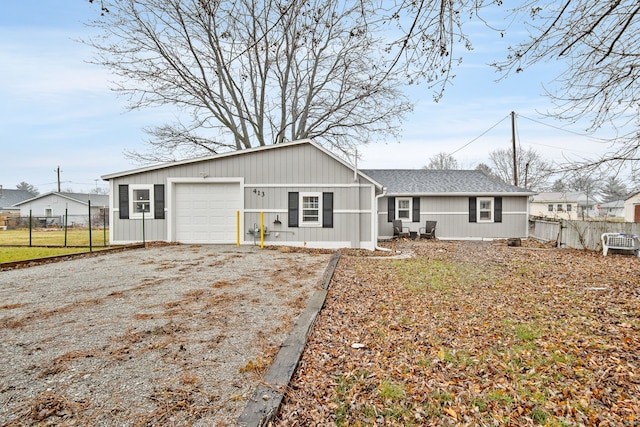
8, 198
613, 209
9, 213
467, 204
72, 209
632, 208
563, 205
307, 197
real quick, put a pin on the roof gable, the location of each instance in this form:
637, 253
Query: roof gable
237, 153
83, 198
429, 181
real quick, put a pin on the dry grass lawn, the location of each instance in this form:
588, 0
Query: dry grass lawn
14, 244
54, 237
477, 334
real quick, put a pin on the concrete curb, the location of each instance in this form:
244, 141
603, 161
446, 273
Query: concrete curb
266, 399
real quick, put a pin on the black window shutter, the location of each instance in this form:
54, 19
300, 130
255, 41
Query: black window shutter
472, 210
391, 209
416, 209
293, 209
123, 195
327, 210
158, 201
497, 209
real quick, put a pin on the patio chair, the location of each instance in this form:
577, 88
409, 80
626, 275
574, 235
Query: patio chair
428, 231
399, 230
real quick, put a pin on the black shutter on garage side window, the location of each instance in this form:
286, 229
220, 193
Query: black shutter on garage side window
472, 210
391, 209
327, 210
158, 201
123, 201
293, 209
497, 209
416, 209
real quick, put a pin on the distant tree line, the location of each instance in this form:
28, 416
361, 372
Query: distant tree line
536, 173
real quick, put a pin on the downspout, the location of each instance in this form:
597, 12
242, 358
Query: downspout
375, 222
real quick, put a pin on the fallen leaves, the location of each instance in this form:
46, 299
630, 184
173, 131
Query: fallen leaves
474, 333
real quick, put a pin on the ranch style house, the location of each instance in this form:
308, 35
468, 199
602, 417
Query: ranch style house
304, 195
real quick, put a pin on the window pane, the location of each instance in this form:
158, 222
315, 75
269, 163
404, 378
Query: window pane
310, 202
309, 215
485, 210
310, 209
141, 201
404, 208
550, 208
141, 195
140, 207
568, 208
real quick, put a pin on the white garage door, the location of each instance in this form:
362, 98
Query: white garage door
206, 213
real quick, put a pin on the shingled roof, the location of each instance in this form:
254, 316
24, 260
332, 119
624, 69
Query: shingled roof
427, 182
8, 198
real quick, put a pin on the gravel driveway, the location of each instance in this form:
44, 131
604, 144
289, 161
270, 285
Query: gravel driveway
168, 335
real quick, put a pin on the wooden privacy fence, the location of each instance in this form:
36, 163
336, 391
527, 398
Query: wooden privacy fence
579, 234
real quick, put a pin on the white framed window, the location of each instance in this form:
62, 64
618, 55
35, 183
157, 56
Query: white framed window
403, 208
559, 208
141, 201
569, 208
485, 209
311, 209
550, 207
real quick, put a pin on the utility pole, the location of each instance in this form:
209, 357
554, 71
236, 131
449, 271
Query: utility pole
58, 170
513, 138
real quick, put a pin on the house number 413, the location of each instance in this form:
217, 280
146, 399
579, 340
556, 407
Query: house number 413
258, 192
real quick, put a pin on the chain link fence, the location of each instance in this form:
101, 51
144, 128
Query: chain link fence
61, 230
95, 221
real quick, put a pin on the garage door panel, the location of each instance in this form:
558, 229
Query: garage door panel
206, 212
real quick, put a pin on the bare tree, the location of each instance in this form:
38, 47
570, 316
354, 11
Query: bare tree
598, 41
585, 183
559, 185
254, 72
486, 169
532, 170
250, 73
442, 161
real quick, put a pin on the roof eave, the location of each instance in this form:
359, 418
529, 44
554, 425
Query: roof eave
240, 152
460, 194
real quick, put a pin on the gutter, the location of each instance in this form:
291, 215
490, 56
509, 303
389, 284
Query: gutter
375, 222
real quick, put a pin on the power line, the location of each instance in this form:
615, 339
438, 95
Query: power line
479, 136
604, 140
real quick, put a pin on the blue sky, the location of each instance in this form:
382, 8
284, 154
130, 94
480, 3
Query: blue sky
56, 110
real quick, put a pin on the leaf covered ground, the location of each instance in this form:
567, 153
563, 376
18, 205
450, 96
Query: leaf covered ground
474, 333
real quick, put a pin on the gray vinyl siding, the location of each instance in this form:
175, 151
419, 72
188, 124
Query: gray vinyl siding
349, 225
452, 214
273, 172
